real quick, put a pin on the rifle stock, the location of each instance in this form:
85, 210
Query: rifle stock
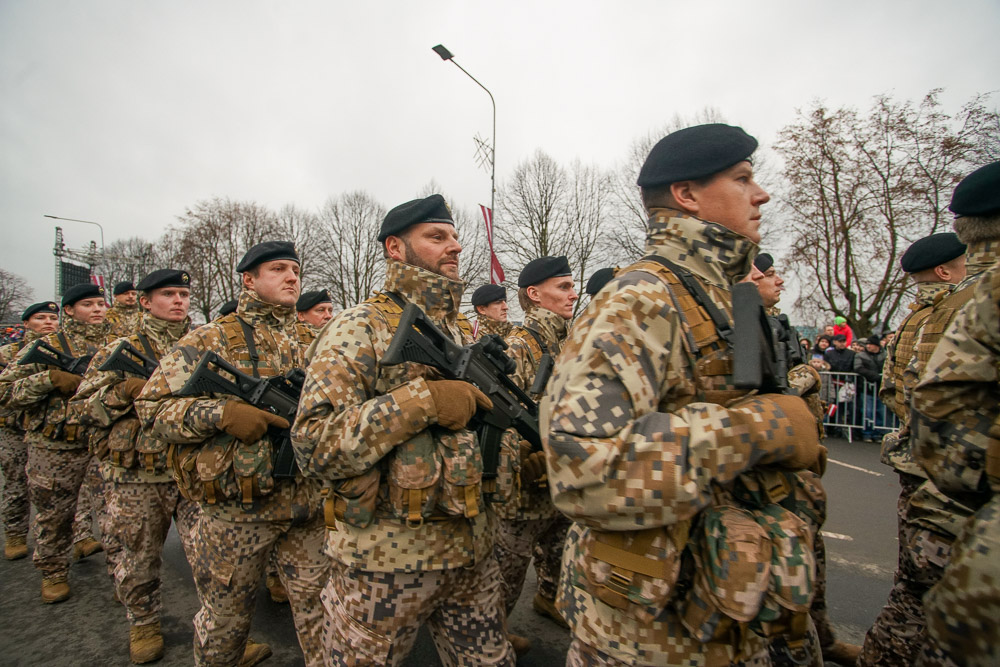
129, 360
41, 352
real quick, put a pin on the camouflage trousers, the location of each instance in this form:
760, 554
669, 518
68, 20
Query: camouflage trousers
15, 504
372, 618
89, 501
963, 607
229, 561
899, 630
54, 480
139, 516
778, 648
519, 540
581, 654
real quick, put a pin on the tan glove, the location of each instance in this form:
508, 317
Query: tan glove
130, 388
247, 423
820, 466
65, 383
532, 467
456, 402
801, 450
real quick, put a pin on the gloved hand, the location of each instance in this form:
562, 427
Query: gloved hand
532, 467
801, 450
65, 383
456, 401
130, 388
820, 466
247, 423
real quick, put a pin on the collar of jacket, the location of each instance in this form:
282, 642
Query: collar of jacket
95, 333
161, 333
927, 292
255, 312
551, 326
30, 336
980, 256
717, 255
125, 308
437, 295
488, 325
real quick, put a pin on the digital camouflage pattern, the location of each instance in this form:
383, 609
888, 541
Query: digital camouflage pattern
646, 459
306, 333
14, 504
488, 325
396, 477
123, 320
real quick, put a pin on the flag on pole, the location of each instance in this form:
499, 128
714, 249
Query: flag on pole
496, 271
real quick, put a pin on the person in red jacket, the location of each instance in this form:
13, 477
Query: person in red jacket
840, 326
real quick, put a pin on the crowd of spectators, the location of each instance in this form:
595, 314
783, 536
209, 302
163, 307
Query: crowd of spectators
11, 334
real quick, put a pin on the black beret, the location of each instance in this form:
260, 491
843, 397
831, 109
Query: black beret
488, 294
429, 209
268, 251
600, 278
763, 261
81, 291
543, 268
228, 307
164, 278
41, 307
695, 152
978, 193
931, 251
312, 299
122, 287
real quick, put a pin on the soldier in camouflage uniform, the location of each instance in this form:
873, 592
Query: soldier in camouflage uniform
598, 280
124, 314
221, 458
39, 319
956, 438
410, 537
141, 494
313, 310
530, 524
490, 302
683, 489
58, 458
936, 263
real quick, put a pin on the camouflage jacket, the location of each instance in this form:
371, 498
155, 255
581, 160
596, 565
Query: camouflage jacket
488, 325
100, 405
29, 388
371, 433
9, 417
123, 320
956, 420
306, 333
654, 462
191, 422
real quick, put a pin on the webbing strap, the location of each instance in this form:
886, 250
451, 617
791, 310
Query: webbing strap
630, 559
146, 345
65, 343
251, 346
538, 339
397, 299
698, 293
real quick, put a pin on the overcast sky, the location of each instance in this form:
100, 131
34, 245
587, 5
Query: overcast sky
128, 112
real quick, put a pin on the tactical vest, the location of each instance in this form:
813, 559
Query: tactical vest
936, 323
906, 342
60, 430
10, 419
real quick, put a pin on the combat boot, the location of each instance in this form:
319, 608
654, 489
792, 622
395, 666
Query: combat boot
547, 607
276, 589
254, 653
16, 547
55, 588
145, 643
841, 653
521, 644
86, 547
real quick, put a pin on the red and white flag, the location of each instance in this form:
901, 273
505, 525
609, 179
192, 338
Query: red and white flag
496, 271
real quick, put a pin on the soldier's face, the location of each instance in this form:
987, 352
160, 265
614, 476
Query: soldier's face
732, 198
127, 298
556, 294
276, 282
42, 323
496, 310
318, 315
88, 311
770, 285
432, 246
168, 303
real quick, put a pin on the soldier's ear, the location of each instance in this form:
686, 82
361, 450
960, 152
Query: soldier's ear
684, 195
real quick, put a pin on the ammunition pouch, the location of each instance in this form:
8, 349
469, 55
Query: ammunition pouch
223, 468
353, 501
61, 432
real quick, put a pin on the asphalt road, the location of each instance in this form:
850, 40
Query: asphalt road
91, 629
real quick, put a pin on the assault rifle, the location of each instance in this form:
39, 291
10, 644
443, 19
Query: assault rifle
278, 395
130, 360
756, 363
41, 352
485, 365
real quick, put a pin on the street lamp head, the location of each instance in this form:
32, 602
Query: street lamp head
443, 52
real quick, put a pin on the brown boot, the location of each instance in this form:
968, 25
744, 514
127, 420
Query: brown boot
276, 589
145, 643
255, 653
841, 653
86, 547
521, 644
55, 588
16, 547
547, 607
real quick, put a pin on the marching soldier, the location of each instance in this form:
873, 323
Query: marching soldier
409, 535
39, 319
124, 314
530, 524
58, 458
141, 494
227, 308
597, 281
661, 462
222, 459
935, 263
490, 303
313, 310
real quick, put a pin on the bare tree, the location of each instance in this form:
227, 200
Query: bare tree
127, 259
348, 260
15, 296
301, 228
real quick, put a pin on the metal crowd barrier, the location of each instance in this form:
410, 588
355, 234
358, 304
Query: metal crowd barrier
853, 407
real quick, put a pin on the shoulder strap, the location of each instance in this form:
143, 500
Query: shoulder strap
64, 342
722, 325
397, 299
146, 345
251, 346
538, 339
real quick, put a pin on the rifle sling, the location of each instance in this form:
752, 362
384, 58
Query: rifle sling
65, 343
147, 346
397, 299
251, 346
698, 293
538, 339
